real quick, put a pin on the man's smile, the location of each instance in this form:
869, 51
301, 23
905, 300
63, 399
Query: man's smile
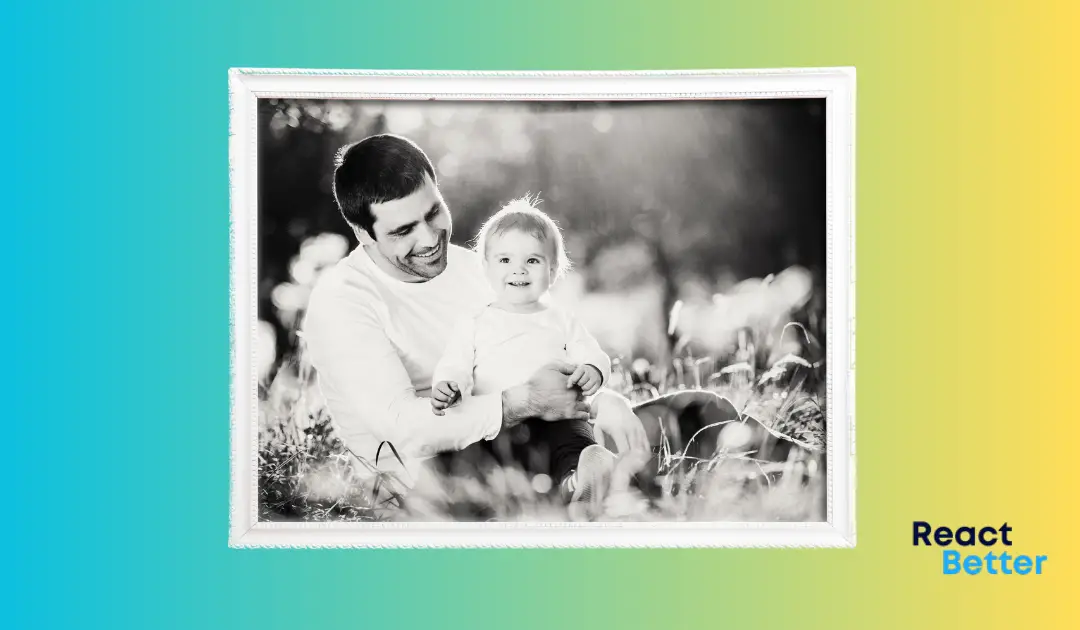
431, 253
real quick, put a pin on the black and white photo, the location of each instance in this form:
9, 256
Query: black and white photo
476, 313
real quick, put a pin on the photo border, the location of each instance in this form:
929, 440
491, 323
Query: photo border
836, 85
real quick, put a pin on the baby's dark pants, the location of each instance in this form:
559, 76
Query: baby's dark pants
538, 447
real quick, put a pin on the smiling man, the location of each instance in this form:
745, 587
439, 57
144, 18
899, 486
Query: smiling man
377, 323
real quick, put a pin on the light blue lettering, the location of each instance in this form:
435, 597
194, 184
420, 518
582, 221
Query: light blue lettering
972, 565
951, 562
1022, 564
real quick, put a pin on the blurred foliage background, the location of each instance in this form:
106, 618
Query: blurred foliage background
694, 226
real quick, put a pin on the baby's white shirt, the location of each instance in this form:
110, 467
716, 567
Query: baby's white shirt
493, 350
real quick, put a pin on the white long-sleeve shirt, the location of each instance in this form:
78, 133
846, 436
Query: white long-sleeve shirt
374, 342
493, 349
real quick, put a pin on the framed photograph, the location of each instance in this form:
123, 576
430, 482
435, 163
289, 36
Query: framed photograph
542, 309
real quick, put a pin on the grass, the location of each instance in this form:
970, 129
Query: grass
766, 465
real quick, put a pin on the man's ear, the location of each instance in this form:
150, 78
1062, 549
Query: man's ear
363, 236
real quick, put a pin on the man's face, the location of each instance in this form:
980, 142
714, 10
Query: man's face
411, 234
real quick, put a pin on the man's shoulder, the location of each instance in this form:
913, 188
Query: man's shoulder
465, 268
471, 317
463, 259
344, 283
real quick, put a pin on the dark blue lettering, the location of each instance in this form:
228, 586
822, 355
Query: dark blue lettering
922, 531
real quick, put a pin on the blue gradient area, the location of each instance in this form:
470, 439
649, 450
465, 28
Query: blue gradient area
117, 159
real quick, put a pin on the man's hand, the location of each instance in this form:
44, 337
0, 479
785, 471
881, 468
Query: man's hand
615, 418
586, 377
444, 395
546, 396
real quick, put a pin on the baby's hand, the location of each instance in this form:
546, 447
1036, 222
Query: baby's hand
587, 378
443, 396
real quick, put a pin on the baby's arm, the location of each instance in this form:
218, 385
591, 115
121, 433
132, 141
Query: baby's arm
452, 378
593, 364
444, 394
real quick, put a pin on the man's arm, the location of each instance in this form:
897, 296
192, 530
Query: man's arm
545, 396
456, 364
356, 361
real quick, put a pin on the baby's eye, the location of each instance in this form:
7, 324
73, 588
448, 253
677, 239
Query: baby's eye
504, 260
534, 261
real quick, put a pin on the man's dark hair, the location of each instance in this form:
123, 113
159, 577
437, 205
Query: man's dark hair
376, 170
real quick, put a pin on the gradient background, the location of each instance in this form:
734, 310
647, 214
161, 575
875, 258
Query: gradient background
115, 175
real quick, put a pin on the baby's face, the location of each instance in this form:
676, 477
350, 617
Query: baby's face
518, 266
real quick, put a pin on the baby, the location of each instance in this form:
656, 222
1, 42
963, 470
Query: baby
518, 333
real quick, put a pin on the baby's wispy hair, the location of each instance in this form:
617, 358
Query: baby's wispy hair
523, 214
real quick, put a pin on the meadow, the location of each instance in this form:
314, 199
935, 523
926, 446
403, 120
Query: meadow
766, 464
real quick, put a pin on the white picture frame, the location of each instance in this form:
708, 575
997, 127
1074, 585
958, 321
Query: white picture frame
835, 85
